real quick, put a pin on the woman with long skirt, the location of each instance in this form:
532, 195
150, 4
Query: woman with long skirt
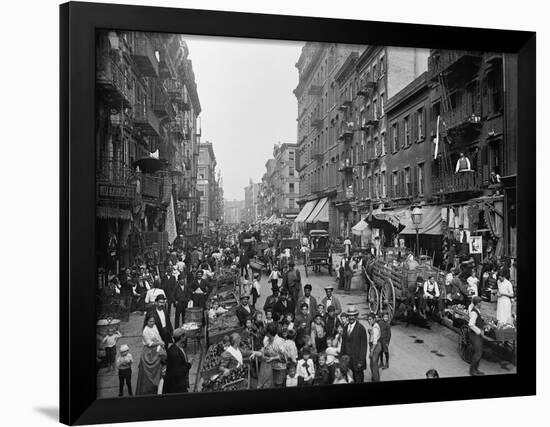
150, 366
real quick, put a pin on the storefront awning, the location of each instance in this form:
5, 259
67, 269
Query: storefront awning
108, 212
306, 211
383, 219
358, 228
431, 221
320, 213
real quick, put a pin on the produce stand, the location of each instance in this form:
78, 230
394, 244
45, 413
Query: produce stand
498, 339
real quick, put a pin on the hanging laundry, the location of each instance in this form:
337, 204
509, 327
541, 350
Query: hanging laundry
444, 212
451, 218
465, 218
461, 216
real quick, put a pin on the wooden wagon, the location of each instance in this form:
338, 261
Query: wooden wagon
389, 284
319, 256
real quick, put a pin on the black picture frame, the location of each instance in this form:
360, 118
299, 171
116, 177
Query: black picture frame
78, 23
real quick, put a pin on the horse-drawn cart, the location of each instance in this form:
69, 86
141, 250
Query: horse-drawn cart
320, 253
391, 283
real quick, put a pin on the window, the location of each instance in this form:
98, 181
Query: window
376, 186
394, 138
382, 66
394, 184
291, 188
381, 104
369, 187
408, 189
383, 143
291, 203
407, 131
376, 147
420, 124
291, 156
383, 179
421, 179
375, 109
374, 73
291, 171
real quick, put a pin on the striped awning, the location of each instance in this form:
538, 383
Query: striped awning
320, 213
306, 211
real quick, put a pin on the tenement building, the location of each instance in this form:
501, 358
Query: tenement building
207, 185
146, 146
280, 185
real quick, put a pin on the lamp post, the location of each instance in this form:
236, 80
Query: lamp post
417, 220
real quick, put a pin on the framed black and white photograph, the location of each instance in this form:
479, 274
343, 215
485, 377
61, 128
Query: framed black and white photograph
310, 213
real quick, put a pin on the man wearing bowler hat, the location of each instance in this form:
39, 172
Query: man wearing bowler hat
177, 365
355, 344
331, 300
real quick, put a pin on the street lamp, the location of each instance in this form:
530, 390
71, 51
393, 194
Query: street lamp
417, 220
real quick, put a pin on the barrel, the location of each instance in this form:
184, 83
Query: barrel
194, 314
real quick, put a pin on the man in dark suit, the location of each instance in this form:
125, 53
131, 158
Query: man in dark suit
182, 296
355, 344
244, 311
177, 365
162, 321
168, 285
283, 306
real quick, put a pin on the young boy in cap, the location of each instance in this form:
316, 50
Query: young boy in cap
124, 363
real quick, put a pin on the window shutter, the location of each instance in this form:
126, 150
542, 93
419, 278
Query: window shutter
398, 136
415, 181
413, 127
424, 123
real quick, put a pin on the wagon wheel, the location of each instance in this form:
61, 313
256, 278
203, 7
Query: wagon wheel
387, 298
464, 346
372, 299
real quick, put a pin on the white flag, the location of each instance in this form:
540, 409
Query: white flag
170, 224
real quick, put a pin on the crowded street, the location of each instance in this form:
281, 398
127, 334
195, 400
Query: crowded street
365, 232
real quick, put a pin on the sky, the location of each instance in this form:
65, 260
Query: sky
245, 90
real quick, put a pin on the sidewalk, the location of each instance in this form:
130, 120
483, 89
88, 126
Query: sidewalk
107, 382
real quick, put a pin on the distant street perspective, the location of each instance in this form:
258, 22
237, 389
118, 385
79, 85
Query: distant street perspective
374, 242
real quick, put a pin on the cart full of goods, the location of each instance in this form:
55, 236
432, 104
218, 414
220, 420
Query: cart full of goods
499, 338
391, 283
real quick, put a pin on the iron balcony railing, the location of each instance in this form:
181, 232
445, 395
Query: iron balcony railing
456, 182
144, 55
110, 77
442, 61
146, 120
113, 171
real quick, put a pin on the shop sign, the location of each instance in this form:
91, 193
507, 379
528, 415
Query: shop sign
115, 191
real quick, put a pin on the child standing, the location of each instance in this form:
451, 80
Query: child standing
292, 376
318, 334
322, 373
306, 368
385, 336
274, 278
110, 347
124, 363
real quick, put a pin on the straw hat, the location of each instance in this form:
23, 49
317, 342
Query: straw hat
352, 310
